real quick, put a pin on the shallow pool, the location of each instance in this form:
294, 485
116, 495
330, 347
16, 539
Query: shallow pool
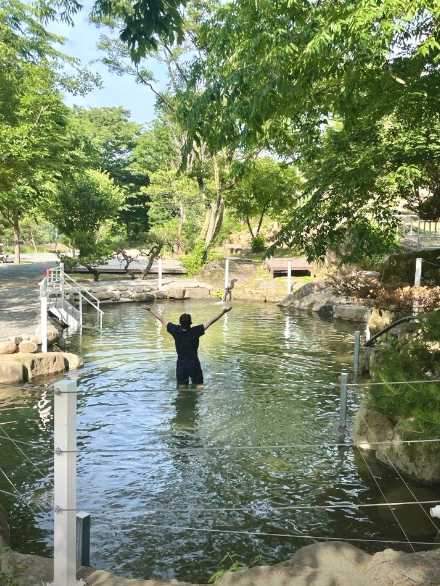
148, 472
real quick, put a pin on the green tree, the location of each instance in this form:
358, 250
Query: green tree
339, 87
263, 187
83, 210
33, 122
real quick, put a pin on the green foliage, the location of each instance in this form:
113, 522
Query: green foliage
347, 89
7, 579
144, 23
258, 244
262, 187
414, 358
82, 209
195, 261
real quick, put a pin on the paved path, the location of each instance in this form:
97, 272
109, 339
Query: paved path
19, 295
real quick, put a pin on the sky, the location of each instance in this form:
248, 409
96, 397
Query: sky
81, 42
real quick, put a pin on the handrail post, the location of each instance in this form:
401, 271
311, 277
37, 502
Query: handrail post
159, 274
417, 282
43, 315
343, 403
226, 273
80, 311
289, 277
65, 483
356, 355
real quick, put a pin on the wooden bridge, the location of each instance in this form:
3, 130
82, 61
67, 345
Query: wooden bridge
279, 267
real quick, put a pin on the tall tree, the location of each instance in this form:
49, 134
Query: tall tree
33, 123
324, 83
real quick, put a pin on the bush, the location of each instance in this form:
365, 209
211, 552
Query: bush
416, 359
195, 261
258, 244
356, 284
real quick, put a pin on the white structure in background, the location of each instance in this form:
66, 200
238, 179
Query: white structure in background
226, 273
159, 274
289, 277
63, 297
417, 233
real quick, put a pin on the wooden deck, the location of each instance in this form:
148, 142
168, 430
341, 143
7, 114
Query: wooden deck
279, 266
169, 267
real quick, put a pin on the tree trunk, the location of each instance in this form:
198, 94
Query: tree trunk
17, 235
214, 220
248, 222
215, 213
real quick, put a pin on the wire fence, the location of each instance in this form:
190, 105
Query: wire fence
393, 506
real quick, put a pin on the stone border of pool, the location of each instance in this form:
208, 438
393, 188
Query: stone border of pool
334, 562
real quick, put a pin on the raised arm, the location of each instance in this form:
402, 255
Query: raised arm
212, 321
157, 316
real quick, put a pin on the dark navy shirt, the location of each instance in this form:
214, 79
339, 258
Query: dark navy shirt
187, 340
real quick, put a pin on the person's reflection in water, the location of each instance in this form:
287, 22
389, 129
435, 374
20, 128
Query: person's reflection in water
185, 422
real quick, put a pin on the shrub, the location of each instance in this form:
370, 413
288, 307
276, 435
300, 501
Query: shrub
195, 261
258, 244
416, 359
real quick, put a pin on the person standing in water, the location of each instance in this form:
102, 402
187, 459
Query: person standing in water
186, 337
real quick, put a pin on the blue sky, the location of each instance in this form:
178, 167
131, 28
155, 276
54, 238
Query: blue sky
81, 42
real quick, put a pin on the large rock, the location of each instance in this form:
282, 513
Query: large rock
420, 461
197, 292
20, 367
396, 568
72, 361
175, 292
8, 347
319, 564
11, 372
371, 427
358, 313
28, 347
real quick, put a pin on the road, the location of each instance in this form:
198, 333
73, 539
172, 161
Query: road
19, 294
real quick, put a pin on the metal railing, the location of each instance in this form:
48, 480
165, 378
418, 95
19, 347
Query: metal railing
64, 297
418, 232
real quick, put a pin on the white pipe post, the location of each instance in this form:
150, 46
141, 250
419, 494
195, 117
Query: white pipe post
418, 274
357, 354
65, 483
43, 317
226, 273
343, 403
417, 282
289, 277
80, 312
160, 273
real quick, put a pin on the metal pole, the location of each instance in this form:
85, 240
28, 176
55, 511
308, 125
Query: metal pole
65, 483
80, 312
289, 277
343, 403
160, 272
83, 522
43, 316
226, 273
417, 283
418, 275
357, 354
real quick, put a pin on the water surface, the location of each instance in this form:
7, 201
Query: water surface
146, 466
